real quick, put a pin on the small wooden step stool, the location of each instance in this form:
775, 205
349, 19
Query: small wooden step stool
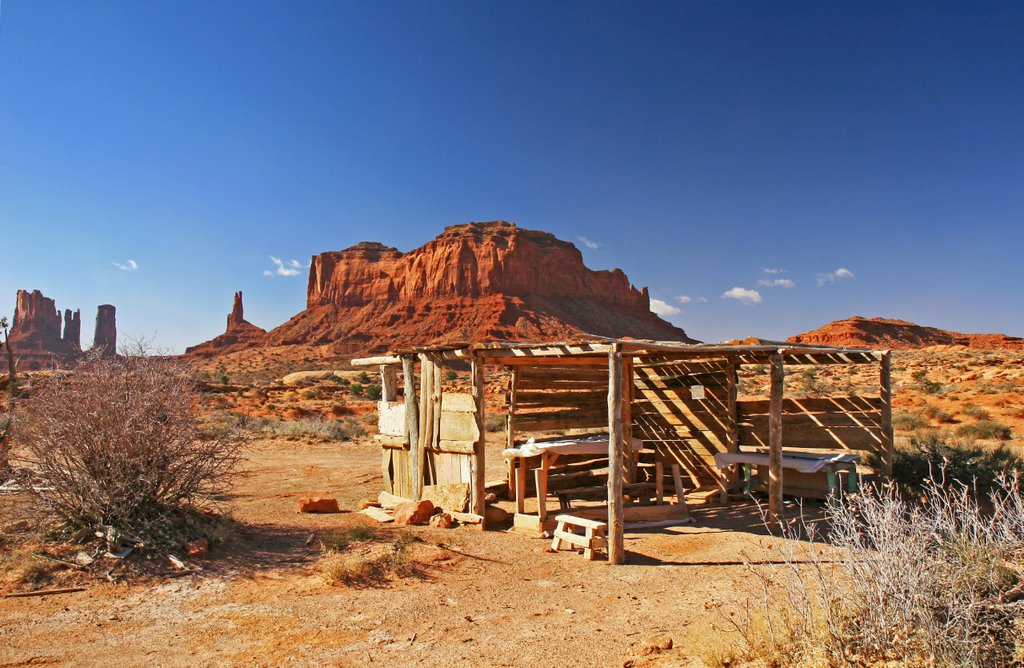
593, 537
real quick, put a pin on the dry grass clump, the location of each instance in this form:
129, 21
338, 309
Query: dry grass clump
934, 584
371, 564
985, 429
310, 428
119, 442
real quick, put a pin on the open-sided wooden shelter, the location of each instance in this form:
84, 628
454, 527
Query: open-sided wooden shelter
680, 400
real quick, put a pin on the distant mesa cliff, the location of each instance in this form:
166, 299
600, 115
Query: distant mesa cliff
899, 335
37, 339
474, 282
240, 334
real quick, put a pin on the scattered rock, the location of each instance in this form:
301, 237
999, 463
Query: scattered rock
199, 547
442, 521
414, 512
657, 644
319, 505
367, 503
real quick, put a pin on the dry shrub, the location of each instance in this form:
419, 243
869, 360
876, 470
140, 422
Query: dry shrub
935, 584
119, 443
370, 565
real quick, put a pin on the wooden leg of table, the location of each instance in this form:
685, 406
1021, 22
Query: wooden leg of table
677, 478
556, 543
540, 479
659, 482
588, 551
521, 486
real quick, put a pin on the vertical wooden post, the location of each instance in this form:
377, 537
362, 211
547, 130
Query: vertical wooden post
388, 382
616, 542
627, 417
510, 439
477, 463
728, 479
885, 389
411, 419
426, 423
778, 378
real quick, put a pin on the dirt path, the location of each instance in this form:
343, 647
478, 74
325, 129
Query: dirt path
260, 602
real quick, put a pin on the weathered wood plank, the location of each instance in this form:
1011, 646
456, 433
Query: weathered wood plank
412, 415
616, 459
775, 433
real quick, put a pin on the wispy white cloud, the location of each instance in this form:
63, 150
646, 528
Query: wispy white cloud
702, 300
592, 245
127, 265
684, 299
664, 309
777, 283
833, 276
284, 267
743, 295
771, 270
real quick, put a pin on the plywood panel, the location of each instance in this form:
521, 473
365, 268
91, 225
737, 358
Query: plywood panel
458, 426
391, 418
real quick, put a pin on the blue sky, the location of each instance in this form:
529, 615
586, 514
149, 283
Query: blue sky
694, 145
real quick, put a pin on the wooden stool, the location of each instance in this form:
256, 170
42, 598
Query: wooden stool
593, 537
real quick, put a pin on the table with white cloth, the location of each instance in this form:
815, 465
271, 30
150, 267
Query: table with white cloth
548, 452
804, 462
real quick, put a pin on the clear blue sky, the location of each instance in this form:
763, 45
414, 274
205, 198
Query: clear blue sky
694, 145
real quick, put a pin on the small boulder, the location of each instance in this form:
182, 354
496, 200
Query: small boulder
441, 521
319, 505
496, 515
197, 548
414, 512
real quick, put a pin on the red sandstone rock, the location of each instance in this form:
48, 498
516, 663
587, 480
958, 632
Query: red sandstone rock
479, 281
414, 512
240, 334
36, 337
197, 548
105, 339
442, 521
319, 505
858, 332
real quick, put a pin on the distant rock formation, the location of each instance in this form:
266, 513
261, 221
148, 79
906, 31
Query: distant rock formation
36, 337
858, 332
105, 339
474, 282
240, 334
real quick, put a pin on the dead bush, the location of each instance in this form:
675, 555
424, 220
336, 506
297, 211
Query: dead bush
940, 583
119, 443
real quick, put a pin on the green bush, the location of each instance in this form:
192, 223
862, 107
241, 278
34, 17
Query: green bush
908, 421
925, 385
373, 392
938, 414
976, 412
494, 422
450, 375
987, 429
932, 455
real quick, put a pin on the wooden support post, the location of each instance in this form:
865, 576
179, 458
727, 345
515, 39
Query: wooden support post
426, 424
510, 436
885, 387
632, 458
728, 476
616, 541
388, 382
480, 447
775, 439
411, 421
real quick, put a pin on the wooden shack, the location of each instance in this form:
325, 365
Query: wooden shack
680, 401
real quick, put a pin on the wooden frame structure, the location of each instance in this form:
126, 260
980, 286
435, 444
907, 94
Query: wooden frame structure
679, 397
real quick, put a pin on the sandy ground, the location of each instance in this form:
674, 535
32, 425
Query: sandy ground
500, 600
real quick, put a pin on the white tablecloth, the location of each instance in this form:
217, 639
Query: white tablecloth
802, 462
590, 445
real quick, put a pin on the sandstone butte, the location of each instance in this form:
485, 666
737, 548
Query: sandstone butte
240, 334
474, 282
861, 332
37, 339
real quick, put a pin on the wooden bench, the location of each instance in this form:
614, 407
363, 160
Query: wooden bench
593, 538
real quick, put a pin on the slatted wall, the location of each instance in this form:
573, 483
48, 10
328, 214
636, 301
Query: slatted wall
832, 423
556, 398
685, 430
